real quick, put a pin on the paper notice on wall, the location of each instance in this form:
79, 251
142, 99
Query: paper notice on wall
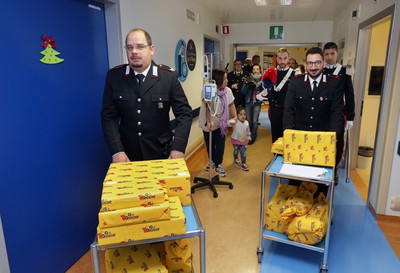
303, 171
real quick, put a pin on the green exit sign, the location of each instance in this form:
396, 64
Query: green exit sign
276, 32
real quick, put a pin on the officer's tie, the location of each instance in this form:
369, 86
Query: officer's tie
140, 78
314, 85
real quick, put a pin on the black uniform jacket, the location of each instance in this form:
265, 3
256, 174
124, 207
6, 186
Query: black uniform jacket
318, 110
347, 89
277, 98
138, 122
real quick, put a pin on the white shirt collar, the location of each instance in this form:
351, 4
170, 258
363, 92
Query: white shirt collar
144, 72
283, 69
317, 79
331, 66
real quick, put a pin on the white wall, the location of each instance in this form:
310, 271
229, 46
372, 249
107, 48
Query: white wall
394, 186
166, 22
344, 27
4, 267
294, 33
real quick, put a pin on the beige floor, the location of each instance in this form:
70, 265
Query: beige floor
232, 220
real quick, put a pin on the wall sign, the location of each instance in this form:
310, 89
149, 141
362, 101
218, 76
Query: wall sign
180, 60
191, 55
225, 30
276, 32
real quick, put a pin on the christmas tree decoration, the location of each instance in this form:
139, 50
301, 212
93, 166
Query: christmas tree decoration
50, 55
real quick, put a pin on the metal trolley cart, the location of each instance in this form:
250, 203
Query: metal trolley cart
193, 229
274, 170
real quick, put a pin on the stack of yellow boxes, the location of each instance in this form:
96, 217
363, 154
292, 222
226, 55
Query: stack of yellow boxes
143, 200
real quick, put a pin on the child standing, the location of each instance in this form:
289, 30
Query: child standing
240, 138
215, 118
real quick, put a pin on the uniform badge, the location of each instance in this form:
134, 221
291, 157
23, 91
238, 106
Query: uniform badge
160, 105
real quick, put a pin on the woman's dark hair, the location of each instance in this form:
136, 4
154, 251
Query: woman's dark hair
218, 76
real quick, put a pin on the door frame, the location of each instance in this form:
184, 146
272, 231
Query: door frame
387, 122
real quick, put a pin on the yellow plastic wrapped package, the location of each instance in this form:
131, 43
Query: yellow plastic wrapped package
301, 202
133, 259
310, 228
178, 256
272, 219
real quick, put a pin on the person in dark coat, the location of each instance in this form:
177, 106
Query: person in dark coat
333, 68
135, 110
276, 96
314, 102
236, 79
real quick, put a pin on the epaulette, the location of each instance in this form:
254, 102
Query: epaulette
118, 66
165, 67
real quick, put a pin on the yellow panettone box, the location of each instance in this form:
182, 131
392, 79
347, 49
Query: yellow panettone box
133, 259
174, 175
119, 177
127, 195
177, 184
175, 226
309, 147
277, 146
142, 214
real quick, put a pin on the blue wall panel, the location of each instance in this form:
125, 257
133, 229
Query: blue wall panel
52, 151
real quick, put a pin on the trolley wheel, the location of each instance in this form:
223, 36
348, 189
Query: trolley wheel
215, 195
230, 187
259, 256
323, 270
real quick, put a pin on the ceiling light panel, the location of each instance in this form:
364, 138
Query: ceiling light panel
286, 2
261, 2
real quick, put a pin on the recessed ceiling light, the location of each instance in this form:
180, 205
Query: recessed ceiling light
261, 2
286, 2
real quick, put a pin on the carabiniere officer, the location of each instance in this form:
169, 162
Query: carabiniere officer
136, 103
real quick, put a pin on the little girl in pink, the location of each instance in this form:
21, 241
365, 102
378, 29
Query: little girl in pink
240, 138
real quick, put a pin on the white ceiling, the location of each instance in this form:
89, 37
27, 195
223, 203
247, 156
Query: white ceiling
246, 11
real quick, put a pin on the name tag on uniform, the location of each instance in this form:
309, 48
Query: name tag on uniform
160, 105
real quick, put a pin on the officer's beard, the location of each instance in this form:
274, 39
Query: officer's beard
314, 76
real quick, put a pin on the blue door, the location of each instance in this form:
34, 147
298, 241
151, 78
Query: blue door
53, 155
